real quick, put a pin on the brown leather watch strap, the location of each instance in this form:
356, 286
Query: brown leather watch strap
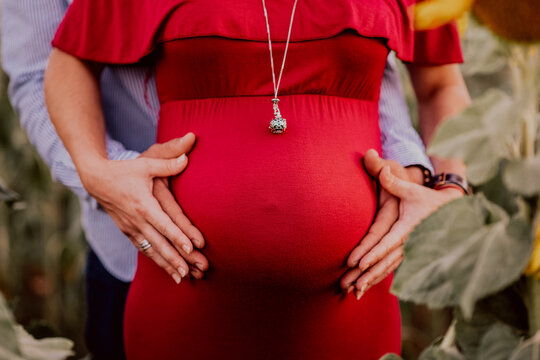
440, 180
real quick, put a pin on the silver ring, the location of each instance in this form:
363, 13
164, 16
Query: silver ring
145, 245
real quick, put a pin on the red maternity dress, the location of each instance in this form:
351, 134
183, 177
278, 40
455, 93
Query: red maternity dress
280, 213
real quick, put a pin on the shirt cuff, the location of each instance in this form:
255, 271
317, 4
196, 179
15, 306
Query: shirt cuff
408, 155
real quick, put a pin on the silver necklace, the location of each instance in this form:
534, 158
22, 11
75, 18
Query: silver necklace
278, 123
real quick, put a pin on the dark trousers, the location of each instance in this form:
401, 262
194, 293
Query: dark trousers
105, 301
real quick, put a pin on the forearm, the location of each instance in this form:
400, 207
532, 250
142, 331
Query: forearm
400, 141
73, 100
441, 93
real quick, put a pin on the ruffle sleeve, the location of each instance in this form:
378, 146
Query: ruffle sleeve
125, 31
112, 31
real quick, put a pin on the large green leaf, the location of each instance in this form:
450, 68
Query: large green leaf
482, 51
480, 135
506, 308
498, 343
43, 349
468, 249
436, 352
528, 350
523, 176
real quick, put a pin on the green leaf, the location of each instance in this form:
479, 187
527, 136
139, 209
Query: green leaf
391, 357
8, 344
523, 176
43, 349
436, 352
498, 343
497, 192
528, 350
482, 51
479, 135
468, 249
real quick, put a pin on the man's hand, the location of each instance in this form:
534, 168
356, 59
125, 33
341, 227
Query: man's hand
135, 193
403, 203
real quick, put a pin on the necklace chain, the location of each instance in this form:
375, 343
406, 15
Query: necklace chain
278, 124
270, 47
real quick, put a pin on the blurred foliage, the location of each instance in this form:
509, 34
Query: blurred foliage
17, 344
472, 253
42, 248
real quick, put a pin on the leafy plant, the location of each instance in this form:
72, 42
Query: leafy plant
474, 254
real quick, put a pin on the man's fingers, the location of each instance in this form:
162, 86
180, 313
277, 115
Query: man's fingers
171, 207
394, 185
161, 246
166, 168
172, 148
392, 240
384, 220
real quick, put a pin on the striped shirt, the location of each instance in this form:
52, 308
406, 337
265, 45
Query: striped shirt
27, 28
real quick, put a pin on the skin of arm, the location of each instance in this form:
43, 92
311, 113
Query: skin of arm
126, 189
441, 93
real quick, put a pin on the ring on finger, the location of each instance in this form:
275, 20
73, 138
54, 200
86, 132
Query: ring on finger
145, 245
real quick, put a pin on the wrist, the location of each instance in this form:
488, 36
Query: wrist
90, 171
418, 174
453, 191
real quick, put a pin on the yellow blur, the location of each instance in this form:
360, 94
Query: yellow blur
534, 265
434, 13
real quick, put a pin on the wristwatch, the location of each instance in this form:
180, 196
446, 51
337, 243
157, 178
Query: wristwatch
442, 180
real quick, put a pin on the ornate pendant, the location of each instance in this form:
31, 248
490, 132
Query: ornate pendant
278, 124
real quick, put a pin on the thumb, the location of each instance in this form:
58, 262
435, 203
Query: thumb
172, 148
394, 185
373, 163
165, 168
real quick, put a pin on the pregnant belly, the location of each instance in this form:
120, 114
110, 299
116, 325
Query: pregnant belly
281, 211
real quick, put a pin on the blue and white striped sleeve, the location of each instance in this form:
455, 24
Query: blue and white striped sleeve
27, 28
400, 141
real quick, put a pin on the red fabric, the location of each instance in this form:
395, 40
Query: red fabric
280, 213
124, 31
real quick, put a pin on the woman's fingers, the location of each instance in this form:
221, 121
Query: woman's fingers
155, 256
378, 272
163, 223
349, 279
393, 239
386, 217
171, 207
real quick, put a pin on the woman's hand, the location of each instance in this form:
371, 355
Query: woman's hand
403, 204
135, 193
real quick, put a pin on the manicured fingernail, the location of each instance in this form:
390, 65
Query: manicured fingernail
186, 248
199, 266
361, 292
182, 271
182, 158
176, 278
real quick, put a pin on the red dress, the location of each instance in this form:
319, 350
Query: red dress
280, 213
